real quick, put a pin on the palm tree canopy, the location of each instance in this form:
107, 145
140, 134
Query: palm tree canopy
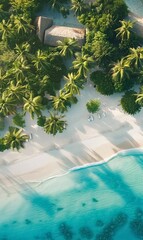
124, 31
22, 50
17, 91
140, 96
20, 67
7, 104
40, 60
120, 70
135, 58
82, 63
71, 85
22, 24
60, 101
67, 47
33, 105
55, 124
6, 29
15, 138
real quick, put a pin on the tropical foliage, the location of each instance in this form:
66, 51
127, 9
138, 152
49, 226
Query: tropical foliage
129, 102
93, 105
140, 96
55, 124
33, 105
82, 64
15, 138
124, 31
67, 47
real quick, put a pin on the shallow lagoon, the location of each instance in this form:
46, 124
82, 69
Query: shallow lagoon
100, 202
135, 6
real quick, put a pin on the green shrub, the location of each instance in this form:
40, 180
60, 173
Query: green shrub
97, 76
93, 105
117, 8
129, 104
41, 121
123, 84
18, 120
103, 82
106, 87
102, 49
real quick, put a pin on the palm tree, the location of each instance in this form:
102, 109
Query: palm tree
23, 6
124, 31
140, 96
60, 101
6, 29
67, 47
77, 6
55, 124
17, 91
22, 51
120, 70
3, 80
7, 104
33, 105
82, 63
22, 24
40, 60
20, 67
71, 85
135, 58
15, 139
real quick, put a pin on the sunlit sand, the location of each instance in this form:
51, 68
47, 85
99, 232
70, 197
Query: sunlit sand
83, 142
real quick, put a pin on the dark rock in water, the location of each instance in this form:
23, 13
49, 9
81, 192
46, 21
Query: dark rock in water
66, 231
27, 221
14, 222
137, 227
60, 209
136, 224
37, 237
94, 200
5, 225
40, 220
83, 204
139, 213
86, 233
49, 236
99, 223
112, 227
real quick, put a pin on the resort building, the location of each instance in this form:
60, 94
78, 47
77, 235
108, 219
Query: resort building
50, 34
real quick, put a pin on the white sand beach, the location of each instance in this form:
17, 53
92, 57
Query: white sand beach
83, 142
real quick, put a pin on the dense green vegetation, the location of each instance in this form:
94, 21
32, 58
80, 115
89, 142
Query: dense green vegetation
31, 73
129, 102
93, 105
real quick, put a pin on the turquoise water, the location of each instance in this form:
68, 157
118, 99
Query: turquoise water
135, 6
101, 202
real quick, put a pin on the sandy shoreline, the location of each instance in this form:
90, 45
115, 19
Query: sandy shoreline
83, 142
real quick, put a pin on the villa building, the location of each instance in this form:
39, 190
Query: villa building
50, 34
